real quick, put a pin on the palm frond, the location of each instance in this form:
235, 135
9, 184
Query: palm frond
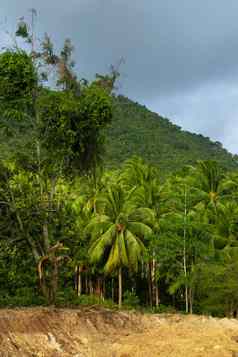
135, 249
145, 215
122, 249
98, 247
140, 229
113, 261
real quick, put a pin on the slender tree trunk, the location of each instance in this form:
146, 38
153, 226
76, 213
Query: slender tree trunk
103, 288
45, 232
186, 287
98, 287
50, 206
120, 287
150, 285
79, 283
191, 300
90, 286
153, 280
157, 296
191, 292
113, 289
184, 248
154, 284
78, 280
86, 284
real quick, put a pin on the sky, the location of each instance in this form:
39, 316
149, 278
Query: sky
180, 56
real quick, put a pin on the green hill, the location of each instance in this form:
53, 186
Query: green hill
137, 131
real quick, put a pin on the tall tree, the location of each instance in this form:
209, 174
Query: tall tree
117, 233
58, 133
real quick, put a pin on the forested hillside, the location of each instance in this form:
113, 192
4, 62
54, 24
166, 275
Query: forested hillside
73, 232
136, 130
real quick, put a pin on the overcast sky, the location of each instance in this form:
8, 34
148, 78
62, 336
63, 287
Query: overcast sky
181, 56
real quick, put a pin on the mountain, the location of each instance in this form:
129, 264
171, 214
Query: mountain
135, 130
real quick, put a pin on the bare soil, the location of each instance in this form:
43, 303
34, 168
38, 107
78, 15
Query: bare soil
94, 332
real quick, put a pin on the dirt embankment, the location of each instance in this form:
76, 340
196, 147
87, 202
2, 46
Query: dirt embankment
103, 333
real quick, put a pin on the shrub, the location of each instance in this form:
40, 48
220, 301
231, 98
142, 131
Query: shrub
130, 299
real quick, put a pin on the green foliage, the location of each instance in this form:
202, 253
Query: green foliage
70, 127
218, 288
18, 77
53, 134
119, 232
22, 297
95, 300
68, 298
162, 309
130, 299
137, 131
73, 234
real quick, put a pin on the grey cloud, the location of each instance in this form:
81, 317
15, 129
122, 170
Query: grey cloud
211, 110
180, 55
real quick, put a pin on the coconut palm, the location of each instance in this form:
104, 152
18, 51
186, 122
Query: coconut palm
117, 232
149, 193
210, 182
226, 229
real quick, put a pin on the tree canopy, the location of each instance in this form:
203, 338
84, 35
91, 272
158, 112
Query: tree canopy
158, 235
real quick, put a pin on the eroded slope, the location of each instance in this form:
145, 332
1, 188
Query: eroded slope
102, 333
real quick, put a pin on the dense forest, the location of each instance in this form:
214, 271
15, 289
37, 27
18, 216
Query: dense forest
137, 131
152, 232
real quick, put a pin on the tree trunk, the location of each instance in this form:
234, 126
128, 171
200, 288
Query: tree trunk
79, 283
154, 285
150, 285
44, 289
90, 286
53, 262
98, 287
184, 248
191, 300
78, 280
113, 289
157, 296
45, 232
103, 288
86, 284
120, 287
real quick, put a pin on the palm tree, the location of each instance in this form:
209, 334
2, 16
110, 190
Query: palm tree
210, 182
149, 194
226, 229
117, 232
